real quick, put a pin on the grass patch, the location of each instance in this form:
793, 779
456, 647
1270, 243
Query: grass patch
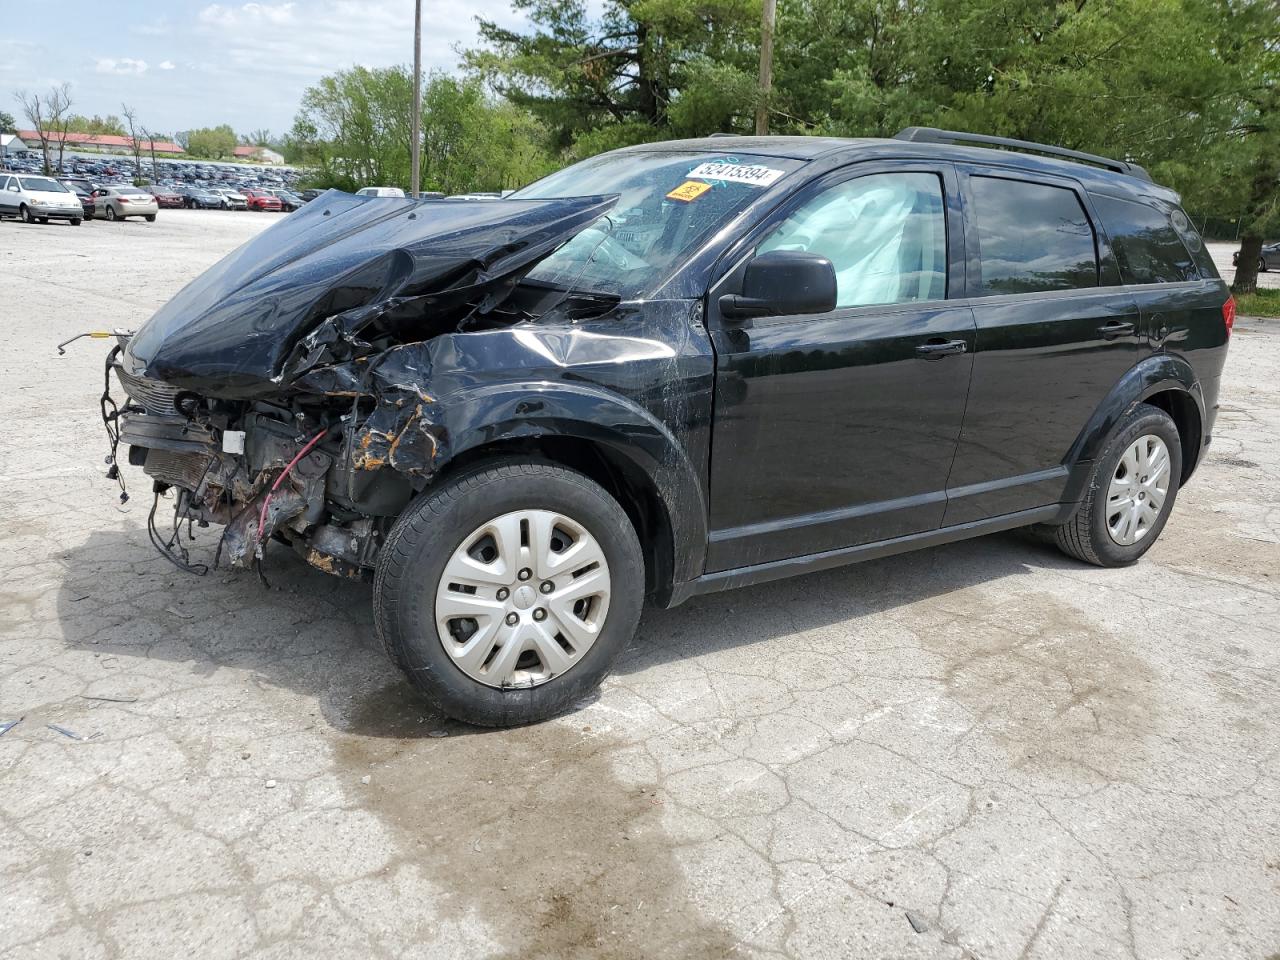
1263, 303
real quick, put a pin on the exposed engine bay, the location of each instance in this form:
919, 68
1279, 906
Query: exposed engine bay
288, 394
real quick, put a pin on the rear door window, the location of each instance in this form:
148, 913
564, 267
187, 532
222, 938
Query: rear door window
1032, 237
1148, 248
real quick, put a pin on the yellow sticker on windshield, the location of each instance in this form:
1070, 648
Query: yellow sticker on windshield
689, 190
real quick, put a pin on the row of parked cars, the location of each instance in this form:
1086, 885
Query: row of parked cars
34, 198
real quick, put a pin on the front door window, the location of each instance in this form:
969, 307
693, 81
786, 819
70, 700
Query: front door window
885, 234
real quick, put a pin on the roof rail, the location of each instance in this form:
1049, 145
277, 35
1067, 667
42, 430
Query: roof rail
934, 135
724, 134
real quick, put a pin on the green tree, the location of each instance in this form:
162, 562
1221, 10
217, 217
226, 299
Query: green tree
7, 123
619, 78
110, 125
354, 128
213, 143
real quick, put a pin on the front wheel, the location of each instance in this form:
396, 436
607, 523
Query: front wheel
507, 593
111, 212
25, 213
1131, 492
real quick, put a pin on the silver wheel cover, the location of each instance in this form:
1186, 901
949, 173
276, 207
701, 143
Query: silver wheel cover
1138, 490
522, 599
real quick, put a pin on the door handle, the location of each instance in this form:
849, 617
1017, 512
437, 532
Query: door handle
1116, 328
938, 348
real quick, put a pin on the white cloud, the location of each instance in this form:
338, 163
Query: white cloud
124, 66
166, 64
247, 15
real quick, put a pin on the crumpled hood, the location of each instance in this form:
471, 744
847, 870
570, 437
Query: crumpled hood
229, 331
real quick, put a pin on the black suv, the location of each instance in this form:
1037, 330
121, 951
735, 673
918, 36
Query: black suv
673, 369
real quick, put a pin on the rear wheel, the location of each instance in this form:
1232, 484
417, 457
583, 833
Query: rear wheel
151, 218
75, 222
506, 594
1131, 492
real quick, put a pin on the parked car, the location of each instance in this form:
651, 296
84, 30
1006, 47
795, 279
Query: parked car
1269, 257
36, 199
310, 194
288, 201
261, 200
796, 353
231, 199
167, 197
121, 202
86, 200
380, 192
200, 198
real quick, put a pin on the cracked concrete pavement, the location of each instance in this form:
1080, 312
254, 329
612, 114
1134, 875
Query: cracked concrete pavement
984, 750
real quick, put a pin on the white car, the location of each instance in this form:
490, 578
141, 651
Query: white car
232, 199
37, 199
380, 192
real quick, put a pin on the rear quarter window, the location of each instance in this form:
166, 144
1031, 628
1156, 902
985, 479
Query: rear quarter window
1148, 248
1032, 237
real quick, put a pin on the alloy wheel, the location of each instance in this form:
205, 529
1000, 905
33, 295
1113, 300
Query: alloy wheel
523, 598
1138, 490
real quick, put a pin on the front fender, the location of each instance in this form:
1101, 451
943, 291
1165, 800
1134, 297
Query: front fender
588, 413
1156, 374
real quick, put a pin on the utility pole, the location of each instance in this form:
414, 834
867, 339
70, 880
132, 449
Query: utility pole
415, 170
766, 65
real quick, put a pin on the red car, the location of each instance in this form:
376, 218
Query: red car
260, 200
167, 198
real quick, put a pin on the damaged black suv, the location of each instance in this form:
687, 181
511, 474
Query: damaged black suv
673, 369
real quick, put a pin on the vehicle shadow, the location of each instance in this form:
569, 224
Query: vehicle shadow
312, 633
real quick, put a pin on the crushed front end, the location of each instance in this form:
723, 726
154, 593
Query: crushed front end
259, 469
283, 394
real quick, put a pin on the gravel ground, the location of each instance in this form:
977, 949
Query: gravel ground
983, 750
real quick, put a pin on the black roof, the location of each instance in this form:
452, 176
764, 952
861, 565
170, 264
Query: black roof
841, 149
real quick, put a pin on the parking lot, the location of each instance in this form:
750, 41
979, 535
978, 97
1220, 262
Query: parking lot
982, 750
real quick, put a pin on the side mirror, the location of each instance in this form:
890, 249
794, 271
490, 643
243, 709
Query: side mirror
783, 283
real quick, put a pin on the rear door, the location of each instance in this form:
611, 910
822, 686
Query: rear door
1055, 331
839, 429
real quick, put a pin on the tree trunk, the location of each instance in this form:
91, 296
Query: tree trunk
1246, 278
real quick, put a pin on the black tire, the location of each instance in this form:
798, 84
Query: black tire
1085, 536
1262, 265
420, 545
25, 214
111, 212
44, 221
75, 222
150, 217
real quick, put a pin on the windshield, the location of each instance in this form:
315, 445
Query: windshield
669, 202
42, 184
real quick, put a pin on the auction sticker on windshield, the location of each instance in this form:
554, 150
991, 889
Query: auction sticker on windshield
754, 174
689, 190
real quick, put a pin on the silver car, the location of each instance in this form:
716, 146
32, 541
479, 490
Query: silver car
117, 203
37, 199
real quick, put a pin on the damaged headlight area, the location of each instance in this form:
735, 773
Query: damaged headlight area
261, 470
270, 393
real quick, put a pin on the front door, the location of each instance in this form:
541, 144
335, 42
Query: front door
839, 429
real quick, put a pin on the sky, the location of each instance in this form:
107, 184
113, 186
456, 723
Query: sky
189, 63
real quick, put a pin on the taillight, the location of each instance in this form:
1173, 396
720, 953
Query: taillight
1229, 314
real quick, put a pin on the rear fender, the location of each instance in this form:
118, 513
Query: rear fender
1156, 374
